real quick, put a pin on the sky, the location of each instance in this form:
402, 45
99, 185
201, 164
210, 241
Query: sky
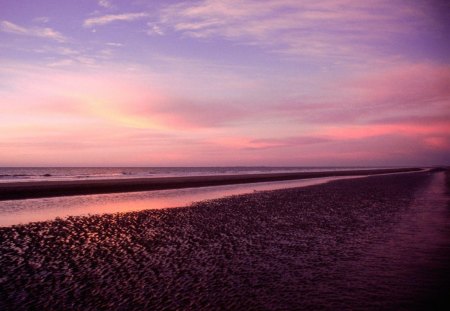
224, 83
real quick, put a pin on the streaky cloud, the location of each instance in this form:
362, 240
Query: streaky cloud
105, 3
40, 32
338, 30
107, 19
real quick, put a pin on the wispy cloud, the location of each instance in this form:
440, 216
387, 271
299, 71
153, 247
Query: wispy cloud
105, 3
403, 90
154, 30
41, 19
323, 28
114, 44
106, 19
40, 32
265, 143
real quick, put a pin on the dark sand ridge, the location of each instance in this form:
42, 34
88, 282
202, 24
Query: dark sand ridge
356, 244
40, 189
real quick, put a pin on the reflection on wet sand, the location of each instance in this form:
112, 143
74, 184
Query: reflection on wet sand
24, 211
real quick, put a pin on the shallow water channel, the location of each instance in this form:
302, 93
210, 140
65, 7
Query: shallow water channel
13, 212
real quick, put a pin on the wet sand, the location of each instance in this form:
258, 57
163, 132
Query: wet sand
348, 244
24, 190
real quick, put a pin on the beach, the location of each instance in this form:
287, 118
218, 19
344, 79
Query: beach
348, 244
39, 189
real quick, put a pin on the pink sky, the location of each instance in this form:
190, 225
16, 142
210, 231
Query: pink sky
198, 83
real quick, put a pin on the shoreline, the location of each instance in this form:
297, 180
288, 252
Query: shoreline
41, 189
361, 240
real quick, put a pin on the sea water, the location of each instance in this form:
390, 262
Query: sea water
24, 174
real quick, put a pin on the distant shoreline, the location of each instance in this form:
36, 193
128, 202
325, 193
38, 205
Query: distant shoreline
41, 189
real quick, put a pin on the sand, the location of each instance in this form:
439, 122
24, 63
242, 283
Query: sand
25, 190
333, 246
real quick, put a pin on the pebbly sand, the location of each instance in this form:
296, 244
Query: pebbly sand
348, 244
40, 189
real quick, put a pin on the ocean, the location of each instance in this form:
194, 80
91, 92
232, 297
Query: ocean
24, 174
